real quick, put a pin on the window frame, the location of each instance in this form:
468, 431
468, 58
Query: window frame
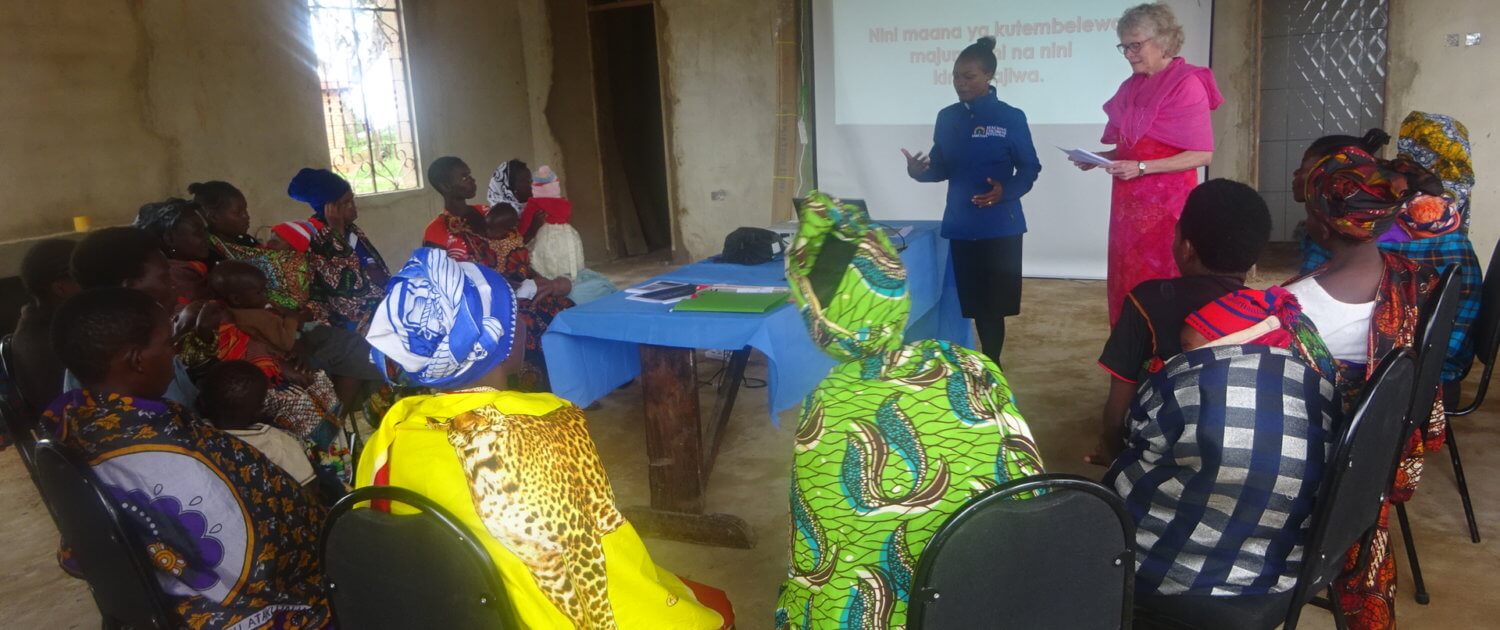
361, 120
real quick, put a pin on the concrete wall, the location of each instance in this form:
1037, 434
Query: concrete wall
109, 104
1235, 61
81, 134
719, 86
563, 85
1428, 75
721, 104
113, 103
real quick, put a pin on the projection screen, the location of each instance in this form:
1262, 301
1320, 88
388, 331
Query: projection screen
882, 70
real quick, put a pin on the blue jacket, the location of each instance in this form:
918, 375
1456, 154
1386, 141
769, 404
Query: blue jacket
974, 141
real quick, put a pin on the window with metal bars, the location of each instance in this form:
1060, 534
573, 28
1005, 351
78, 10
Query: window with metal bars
366, 93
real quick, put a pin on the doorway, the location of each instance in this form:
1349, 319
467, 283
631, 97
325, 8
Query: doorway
632, 140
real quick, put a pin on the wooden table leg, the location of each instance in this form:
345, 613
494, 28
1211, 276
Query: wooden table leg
674, 435
734, 375
674, 447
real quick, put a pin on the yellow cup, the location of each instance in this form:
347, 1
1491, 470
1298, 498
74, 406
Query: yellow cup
81, 224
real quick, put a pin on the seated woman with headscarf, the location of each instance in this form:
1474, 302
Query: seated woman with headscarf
340, 352
35, 371
1366, 302
179, 226
946, 411
348, 274
518, 470
556, 248
303, 402
1432, 229
228, 216
129, 257
462, 230
233, 539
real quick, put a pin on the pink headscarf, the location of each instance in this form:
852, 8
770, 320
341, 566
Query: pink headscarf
544, 183
546, 199
1171, 106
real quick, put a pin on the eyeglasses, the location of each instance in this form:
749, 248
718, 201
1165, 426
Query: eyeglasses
1133, 47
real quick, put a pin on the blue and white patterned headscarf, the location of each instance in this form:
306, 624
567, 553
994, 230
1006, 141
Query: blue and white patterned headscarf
446, 323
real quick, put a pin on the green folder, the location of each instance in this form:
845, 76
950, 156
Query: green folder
731, 302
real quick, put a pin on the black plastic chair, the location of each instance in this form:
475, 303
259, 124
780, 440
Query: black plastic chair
1433, 332
1355, 484
1486, 334
17, 424
113, 559
22, 439
1063, 559
422, 570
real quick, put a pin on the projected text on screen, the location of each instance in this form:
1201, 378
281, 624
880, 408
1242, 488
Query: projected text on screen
1049, 57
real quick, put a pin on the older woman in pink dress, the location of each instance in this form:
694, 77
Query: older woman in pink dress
1159, 124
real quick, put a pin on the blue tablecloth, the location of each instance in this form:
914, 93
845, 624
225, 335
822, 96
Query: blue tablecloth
594, 348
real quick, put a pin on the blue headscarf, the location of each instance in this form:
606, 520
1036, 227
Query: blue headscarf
317, 187
446, 323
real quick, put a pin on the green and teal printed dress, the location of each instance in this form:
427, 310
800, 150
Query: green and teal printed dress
892, 442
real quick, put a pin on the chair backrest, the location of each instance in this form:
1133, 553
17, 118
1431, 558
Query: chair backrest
1061, 559
1486, 327
423, 570
12, 425
1357, 476
1433, 331
112, 557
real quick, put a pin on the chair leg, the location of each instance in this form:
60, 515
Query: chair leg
1337, 608
1463, 483
1411, 556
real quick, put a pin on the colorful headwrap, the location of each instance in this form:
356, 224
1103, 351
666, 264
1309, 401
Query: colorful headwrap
162, 217
446, 323
317, 187
1441, 145
839, 253
1358, 195
500, 191
1426, 216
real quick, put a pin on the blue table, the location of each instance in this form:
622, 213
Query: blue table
594, 348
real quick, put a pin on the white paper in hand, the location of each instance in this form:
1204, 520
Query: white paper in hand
1085, 157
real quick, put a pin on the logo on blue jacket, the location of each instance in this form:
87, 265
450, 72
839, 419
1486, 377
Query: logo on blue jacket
989, 131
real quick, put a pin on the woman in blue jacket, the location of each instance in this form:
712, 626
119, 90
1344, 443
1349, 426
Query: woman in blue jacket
982, 148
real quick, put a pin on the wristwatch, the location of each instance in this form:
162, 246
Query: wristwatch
1142, 167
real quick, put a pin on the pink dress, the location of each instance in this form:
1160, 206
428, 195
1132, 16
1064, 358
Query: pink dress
1143, 216
1150, 118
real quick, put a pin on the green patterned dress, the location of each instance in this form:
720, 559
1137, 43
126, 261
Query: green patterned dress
892, 442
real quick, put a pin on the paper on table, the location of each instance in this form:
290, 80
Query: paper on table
655, 286
1085, 157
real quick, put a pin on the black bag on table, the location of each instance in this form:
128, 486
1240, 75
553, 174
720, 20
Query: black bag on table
751, 246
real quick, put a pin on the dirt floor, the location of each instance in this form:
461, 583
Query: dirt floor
1050, 361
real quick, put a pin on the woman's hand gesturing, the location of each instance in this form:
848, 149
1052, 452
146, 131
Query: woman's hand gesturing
990, 198
917, 164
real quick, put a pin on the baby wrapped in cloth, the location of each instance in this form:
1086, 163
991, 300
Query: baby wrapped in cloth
557, 249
